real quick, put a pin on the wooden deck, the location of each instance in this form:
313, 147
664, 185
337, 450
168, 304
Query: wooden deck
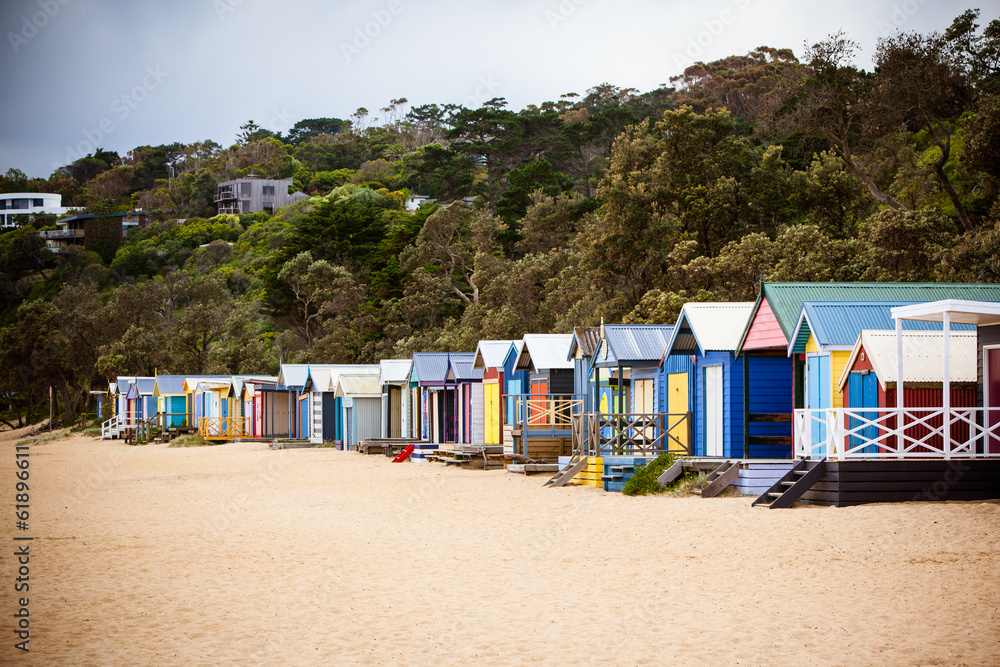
858, 482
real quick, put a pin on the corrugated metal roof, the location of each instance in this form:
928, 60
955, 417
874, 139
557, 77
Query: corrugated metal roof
491, 353
923, 356
323, 377
588, 339
359, 385
786, 299
169, 384
708, 326
545, 351
835, 323
145, 386
635, 344
462, 369
395, 370
430, 367
293, 375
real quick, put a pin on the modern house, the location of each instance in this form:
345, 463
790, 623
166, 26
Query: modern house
251, 195
13, 205
101, 233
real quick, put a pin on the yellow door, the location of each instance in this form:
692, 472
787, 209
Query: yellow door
491, 412
677, 404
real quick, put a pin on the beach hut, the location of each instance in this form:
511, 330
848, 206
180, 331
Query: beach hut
173, 401
937, 448
490, 357
466, 383
433, 417
543, 421
772, 323
582, 350
869, 382
361, 400
323, 409
710, 332
394, 375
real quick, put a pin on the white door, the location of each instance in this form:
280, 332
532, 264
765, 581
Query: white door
713, 411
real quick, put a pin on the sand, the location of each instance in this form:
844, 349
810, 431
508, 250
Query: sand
236, 554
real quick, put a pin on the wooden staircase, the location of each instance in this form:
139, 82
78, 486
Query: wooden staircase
577, 462
671, 474
721, 477
790, 488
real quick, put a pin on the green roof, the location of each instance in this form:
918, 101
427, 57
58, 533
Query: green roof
786, 299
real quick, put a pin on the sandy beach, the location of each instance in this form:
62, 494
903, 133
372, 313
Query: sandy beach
237, 554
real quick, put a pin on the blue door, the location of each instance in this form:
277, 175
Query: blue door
863, 390
818, 398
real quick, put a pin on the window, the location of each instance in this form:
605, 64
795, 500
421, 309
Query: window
269, 208
268, 190
38, 203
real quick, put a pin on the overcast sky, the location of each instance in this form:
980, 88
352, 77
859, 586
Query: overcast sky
119, 74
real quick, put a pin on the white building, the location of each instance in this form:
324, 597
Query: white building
13, 204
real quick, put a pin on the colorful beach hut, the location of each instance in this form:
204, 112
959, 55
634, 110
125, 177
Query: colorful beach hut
545, 407
394, 376
360, 396
433, 416
710, 332
466, 383
495, 360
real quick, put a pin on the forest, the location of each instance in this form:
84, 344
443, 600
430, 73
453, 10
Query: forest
614, 205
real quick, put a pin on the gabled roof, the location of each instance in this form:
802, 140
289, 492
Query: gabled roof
429, 368
923, 359
359, 385
169, 384
709, 326
585, 339
633, 344
145, 385
394, 370
293, 375
460, 369
544, 352
323, 377
837, 324
786, 299
491, 353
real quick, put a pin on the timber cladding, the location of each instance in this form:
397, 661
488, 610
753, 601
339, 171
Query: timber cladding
549, 448
859, 482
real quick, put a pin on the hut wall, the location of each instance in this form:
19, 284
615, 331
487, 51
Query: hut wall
987, 336
770, 393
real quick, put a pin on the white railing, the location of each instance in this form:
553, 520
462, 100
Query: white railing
893, 433
115, 426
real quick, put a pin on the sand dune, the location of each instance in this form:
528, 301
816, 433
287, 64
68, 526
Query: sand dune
237, 554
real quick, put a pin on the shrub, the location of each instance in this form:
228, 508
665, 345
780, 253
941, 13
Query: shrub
644, 480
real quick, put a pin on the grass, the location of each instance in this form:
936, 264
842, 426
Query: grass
192, 440
46, 437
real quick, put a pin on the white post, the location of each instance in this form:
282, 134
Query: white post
946, 385
900, 440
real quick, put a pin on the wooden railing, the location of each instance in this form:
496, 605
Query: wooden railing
224, 427
624, 434
892, 433
545, 412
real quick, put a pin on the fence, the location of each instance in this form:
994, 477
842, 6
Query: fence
894, 433
623, 434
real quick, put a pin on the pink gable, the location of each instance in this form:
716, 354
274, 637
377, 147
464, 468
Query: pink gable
765, 332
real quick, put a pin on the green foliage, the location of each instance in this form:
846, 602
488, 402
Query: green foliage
643, 481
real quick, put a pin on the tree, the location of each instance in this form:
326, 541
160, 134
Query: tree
321, 290
450, 245
919, 88
489, 134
